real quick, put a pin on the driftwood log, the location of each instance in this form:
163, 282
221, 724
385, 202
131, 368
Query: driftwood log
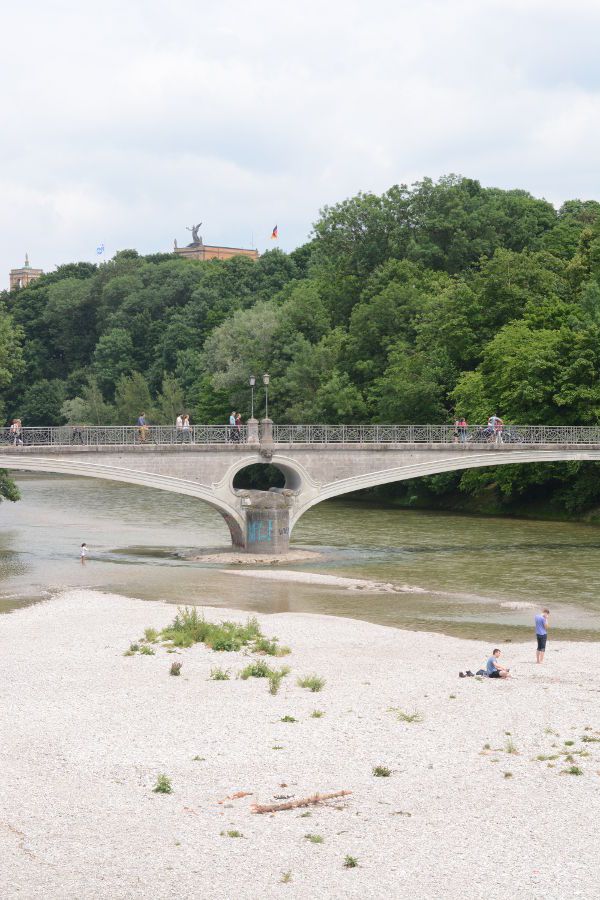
294, 804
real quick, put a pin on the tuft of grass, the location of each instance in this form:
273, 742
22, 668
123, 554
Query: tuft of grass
232, 834
288, 719
315, 838
543, 758
588, 739
381, 771
572, 770
317, 714
508, 774
190, 627
350, 862
277, 747
269, 646
510, 747
487, 746
219, 674
260, 668
286, 877
175, 668
163, 785
198, 758
406, 717
569, 743
452, 697
129, 653
135, 648
312, 683
150, 635
147, 651
305, 815
276, 677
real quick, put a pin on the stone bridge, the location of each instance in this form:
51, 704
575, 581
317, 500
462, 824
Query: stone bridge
317, 464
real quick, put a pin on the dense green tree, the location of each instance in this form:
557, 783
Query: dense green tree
132, 398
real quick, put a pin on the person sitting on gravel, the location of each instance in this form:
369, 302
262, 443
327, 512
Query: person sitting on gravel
493, 667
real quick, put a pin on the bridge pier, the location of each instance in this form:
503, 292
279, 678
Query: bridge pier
267, 515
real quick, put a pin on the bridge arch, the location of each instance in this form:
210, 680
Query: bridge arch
436, 466
233, 518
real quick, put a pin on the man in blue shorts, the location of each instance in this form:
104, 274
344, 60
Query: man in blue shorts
541, 633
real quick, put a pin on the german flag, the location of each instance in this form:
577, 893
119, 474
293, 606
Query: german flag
274, 234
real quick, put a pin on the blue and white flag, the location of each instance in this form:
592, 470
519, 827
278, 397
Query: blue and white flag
100, 250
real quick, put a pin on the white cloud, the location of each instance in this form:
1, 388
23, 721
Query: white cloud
125, 122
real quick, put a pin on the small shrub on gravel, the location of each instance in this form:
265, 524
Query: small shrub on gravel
588, 739
508, 774
381, 771
232, 834
147, 651
350, 862
510, 747
276, 677
218, 674
277, 747
572, 770
260, 668
175, 668
315, 838
190, 627
163, 785
270, 647
129, 653
198, 758
286, 877
317, 714
150, 635
134, 648
405, 716
288, 719
312, 683
569, 743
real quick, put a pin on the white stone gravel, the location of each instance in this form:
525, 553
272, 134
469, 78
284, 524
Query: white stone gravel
84, 731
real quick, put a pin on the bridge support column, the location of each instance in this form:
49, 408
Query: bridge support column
267, 516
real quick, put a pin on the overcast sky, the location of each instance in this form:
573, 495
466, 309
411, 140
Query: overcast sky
124, 122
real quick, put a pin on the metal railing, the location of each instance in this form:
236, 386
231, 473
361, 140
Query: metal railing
122, 435
435, 434
162, 435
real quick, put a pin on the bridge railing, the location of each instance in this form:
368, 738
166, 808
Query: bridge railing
122, 435
151, 435
435, 434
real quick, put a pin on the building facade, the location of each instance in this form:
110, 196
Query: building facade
20, 278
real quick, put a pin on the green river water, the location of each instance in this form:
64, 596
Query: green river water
459, 572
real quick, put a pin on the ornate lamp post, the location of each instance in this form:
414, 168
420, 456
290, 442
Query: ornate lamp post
266, 384
252, 424
252, 382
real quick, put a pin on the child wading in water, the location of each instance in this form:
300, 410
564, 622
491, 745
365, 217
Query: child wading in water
83, 553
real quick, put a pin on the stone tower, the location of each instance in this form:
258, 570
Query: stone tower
20, 278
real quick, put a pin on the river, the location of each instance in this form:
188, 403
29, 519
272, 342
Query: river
461, 575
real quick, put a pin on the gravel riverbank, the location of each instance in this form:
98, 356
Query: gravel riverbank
468, 810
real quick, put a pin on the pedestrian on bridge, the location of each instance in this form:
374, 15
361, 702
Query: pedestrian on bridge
495, 426
179, 428
142, 428
186, 429
16, 432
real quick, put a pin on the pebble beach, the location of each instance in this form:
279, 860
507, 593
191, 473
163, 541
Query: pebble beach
492, 788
